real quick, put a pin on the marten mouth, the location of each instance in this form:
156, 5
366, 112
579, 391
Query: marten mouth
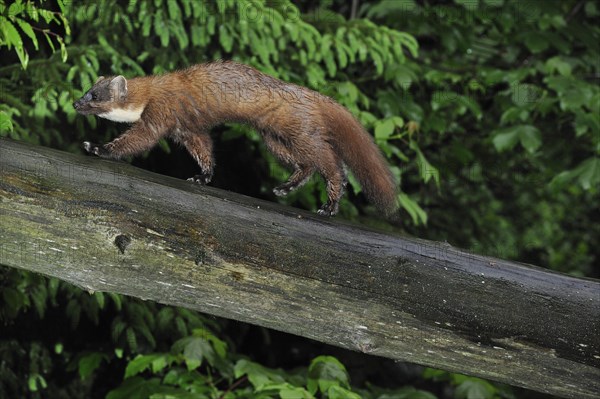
83, 109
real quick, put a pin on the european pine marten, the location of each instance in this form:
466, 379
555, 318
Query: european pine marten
305, 130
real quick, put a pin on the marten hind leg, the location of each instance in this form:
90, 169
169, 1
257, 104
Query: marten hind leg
297, 179
200, 147
332, 169
301, 172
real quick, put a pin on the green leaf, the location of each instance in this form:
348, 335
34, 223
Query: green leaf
35, 382
141, 363
330, 64
410, 43
47, 15
226, 39
591, 9
50, 42
384, 129
160, 28
349, 90
174, 10
342, 56
524, 94
99, 299
61, 5
378, 61
506, 139
28, 30
286, 391
468, 4
417, 214
198, 349
89, 363
586, 174
6, 125
558, 64
292, 392
494, 3
147, 24
135, 388
530, 138
63, 49
131, 339
325, 372
116, 298
164, 145
13, 39
65, 24
475, 388
14, 300
590, 173
585, 122
337, 392
32, 383
15, 9
514, 114
258, 375
426, 170
33, 13
536, 42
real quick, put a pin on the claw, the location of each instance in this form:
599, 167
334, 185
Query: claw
200, 179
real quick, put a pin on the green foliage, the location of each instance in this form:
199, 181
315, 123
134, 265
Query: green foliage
22, 14
509, 117
21, 23
168, 375
470, 387
487, 111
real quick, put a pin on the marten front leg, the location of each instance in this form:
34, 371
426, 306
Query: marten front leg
200, 146
139, 138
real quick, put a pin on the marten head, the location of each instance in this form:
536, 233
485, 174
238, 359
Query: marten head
108, 99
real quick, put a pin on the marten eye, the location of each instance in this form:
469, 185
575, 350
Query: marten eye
94, 96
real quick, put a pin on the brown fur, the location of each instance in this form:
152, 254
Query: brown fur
305, 130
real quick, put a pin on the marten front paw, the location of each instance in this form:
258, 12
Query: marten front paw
201, 179
281, 191
95, 149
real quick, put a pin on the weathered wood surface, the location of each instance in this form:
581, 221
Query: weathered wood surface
249, 260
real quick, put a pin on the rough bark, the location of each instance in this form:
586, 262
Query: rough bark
107, 226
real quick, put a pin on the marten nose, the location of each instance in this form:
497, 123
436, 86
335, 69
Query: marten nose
76, 104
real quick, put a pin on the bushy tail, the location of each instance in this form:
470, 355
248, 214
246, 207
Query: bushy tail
358, 150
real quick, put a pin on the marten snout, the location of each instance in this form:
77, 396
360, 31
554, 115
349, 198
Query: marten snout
79, 103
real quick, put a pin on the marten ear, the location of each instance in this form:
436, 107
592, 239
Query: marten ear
118, 87
99, 79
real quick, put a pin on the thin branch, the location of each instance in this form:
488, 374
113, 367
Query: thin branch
46, 31
233, 386
354, 9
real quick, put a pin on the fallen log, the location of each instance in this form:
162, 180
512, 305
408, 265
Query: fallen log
107, 226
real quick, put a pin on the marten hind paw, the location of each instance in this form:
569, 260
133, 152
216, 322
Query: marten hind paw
328, 209
201, 179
